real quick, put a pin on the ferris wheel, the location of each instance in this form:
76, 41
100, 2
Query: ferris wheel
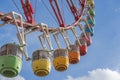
75, 16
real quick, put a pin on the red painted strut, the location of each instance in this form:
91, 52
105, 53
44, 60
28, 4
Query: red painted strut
73, 8
28, 11
56, 9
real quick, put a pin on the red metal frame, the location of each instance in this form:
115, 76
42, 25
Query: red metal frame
57, 12
77, 15
28, 11
73, 8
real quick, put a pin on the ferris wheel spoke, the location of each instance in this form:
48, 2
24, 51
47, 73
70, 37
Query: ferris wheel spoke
18, 9
35, 8
49, 11
55, 6
73, 9
63, 12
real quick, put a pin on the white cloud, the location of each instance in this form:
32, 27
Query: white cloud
99, 74
15, 78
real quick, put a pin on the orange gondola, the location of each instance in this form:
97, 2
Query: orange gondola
74, 54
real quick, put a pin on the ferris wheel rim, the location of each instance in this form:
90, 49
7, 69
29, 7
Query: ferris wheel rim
53, 29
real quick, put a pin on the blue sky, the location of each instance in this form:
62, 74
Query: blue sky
103, 55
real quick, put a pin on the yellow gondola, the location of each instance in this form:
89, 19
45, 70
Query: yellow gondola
41, 63
90, 3
61, 60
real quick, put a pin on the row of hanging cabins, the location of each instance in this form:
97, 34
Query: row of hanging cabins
41, 63
11, 54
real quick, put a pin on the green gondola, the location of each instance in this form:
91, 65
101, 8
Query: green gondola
10, 60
